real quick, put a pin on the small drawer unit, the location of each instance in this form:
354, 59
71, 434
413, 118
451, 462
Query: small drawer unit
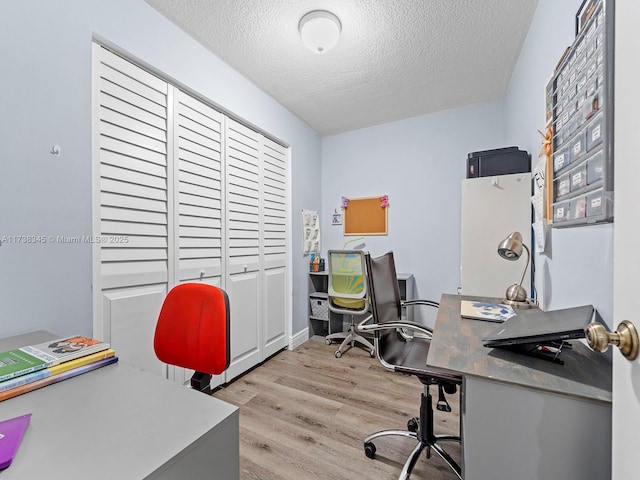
583, 123
595, 203
319, 307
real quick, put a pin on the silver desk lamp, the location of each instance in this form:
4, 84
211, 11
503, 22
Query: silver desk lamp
511, 249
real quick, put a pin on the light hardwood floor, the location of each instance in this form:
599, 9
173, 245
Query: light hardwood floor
304, 415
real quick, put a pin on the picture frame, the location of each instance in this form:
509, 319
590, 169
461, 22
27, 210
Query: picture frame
584, 14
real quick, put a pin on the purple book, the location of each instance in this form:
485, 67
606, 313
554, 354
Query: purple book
11, 432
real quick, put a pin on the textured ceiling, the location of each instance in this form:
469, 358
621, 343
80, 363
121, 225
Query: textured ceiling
395, 58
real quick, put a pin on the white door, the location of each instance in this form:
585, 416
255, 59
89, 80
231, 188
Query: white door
198, 173
243, 181
274, 254
626, 375
131, 185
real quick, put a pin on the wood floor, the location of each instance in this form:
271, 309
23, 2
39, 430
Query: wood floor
304, 415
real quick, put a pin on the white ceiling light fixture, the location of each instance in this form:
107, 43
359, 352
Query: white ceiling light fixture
320, 30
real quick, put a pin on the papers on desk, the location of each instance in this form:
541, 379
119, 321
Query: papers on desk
490, 312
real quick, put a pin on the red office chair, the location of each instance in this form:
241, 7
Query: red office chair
193, 331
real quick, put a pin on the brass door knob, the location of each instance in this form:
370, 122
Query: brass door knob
626, 338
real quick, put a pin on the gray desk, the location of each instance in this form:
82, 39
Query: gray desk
118, 422
525, 418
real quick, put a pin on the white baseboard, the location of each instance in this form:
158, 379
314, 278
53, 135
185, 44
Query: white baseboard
299, 338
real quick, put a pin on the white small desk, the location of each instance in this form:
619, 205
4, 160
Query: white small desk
120, 422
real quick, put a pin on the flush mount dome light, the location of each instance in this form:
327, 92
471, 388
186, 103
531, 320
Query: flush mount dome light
320, 30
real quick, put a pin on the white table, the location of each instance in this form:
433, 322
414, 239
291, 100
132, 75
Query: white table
118, 422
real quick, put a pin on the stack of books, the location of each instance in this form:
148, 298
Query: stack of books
35, 366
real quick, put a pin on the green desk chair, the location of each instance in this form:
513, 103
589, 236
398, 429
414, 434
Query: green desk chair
348, 296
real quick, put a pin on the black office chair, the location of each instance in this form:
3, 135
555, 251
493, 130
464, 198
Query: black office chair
402, 346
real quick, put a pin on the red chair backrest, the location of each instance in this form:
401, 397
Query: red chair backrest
193, 328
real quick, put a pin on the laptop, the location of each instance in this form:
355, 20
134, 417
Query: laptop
541, 327
11, 432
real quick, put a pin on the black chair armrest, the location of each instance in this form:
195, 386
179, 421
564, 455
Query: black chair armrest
365, 326
429, 303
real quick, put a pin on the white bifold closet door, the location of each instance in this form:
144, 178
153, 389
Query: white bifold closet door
274, 232
256, 192
244, 244
183, 193
198, 173
131, 214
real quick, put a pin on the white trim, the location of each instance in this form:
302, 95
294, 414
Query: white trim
299, 338
96, 285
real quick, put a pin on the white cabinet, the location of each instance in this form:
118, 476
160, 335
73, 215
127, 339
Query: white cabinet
183, 193
492, 208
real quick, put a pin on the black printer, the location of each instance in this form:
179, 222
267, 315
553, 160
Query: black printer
500, 161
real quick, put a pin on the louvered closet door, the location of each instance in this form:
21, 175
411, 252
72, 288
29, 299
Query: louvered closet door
274, 232
198, 172
131, 106
243, 247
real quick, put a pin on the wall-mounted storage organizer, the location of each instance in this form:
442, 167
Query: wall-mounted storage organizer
583, 122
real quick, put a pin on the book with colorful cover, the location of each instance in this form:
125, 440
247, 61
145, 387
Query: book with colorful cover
17, 362
43, 382
24, 360
491, 312
55, 369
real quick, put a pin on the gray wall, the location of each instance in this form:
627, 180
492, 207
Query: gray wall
420, 163
45, 50
577, 265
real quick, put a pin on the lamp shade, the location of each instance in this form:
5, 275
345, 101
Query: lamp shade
320, 30
511, 247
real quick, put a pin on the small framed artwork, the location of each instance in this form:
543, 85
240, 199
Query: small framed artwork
584, 14
336, 218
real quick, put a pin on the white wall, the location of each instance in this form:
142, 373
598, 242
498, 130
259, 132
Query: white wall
577, 265
45, 50
420, 163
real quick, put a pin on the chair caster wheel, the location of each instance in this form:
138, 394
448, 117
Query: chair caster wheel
327, 341
369, 450
413, 425
338, 353
372, 353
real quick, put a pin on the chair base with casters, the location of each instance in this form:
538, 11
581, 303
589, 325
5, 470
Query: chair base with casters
421, 430
351, 338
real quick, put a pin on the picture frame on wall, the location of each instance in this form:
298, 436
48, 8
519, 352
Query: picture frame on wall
584, 14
